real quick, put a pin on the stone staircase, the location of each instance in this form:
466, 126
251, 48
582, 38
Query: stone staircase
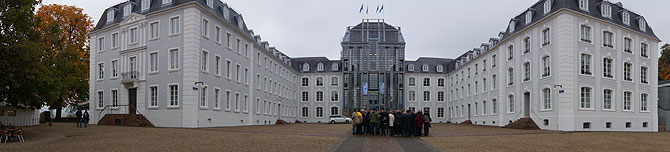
523, 123
132, 120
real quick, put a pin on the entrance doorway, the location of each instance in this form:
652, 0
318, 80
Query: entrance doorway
132, 101
526, 104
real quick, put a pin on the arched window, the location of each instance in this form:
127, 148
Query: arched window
319, 66
319, 81
305, 112
440, 68
426, 82
110, 15
547, 6
424, 68
319, 112
606, 10
426, 95
334, 67
319, 96
410, 67
305, 67
305, 96
412, 81
334, 111
529, 17
127, 9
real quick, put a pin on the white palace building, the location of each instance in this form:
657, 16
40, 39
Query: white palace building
569, 65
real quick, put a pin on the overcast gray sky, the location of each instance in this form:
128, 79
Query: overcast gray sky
432, 28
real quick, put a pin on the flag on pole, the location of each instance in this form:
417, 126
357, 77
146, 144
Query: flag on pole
377, 11
367, 9
361, 10
381, 9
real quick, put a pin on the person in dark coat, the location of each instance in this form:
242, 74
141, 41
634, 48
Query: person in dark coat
412, 128
366, 122
85, 118
426, 126
407, 123
78, 115
384, 123
398, 123
418, 123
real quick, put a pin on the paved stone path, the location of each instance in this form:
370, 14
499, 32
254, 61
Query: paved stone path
355, 143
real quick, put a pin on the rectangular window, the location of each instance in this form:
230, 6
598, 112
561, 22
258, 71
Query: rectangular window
228, 67
101, 71
218, 34
643, 102
217, 98
643, 50
412, 96
493, 61
494, 82
246, 103
174, 59
607, 68
526, 71
494, 106
319, 96
334, 96
203, 62
440, 82
334, 81
217, 66
101, 44
237, 101
203, 96
586, 33
305, 96
510, 71
167, 2
115, 40
607, 99
627, 42
227, 100
153, 98
586, 64
643, 75
440, 96
115, 72
607, 39
101, 99
510, 49
174, 25
228, 36
115, 98
546, 37
133, 35
174, 95
584, 5
626, 101
510, 99
246, 76
546, 95
205, 24
585, 102
153, 62
426, 96
546, 66
154, 30
526, 45
237, 73
627, 67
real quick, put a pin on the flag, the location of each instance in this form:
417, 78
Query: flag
381, 9
367, 9
361, 10
377, 11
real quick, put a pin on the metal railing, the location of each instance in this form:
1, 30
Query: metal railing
129, 76
109, 110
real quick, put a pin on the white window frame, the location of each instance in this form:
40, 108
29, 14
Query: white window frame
585, 33
154, 65
411, 81
642, 25
146, 4
644, 102
101, 44
202, 97
218, 37
546, 37
546, 99
608, 68
133, 38
152, 97
217, 65
334, 81
155, 33
115, 69
586, 67
547, 6
608, 41
511, 103
317, 114
227, 98
114, 95
628, 74
127, 9
319, 96
205, 28
174, 64
204, 62
110, 15
175, 29
334, 96
101, 99
115, 40
165, 2
169, 95
611, 100
628, 102
606, 10
625, 17
319, 67
101, 71
586, 98
584, 5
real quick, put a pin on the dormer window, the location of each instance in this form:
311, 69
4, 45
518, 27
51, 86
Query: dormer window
529, 17
643, 25
625, 17
210, 3
226, 12
584, 5
110, 16
511, 26
319, 66
165, 2
335, 67
439, 68
606, 10
305, 67
410, 67
547, 6
424, 68
127, 9
145, 5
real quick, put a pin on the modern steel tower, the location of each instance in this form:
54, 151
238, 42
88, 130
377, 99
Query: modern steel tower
372, 55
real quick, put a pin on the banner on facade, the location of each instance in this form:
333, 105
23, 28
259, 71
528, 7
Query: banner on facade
365, 88
381, 88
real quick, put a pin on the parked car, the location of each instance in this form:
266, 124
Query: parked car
339, 119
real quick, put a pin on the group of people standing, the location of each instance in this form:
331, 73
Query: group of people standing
393, 123
82, 118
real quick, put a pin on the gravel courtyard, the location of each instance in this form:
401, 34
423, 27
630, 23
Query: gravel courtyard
325, 137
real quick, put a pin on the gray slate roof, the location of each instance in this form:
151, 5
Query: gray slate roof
313, 62
432, 65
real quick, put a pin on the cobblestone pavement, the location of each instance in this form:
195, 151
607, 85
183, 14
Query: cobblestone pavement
355, 143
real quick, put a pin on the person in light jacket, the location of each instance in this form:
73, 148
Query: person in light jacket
358, 122
390, 123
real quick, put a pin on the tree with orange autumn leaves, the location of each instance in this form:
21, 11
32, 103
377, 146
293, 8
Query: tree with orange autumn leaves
664, 63
65, 37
